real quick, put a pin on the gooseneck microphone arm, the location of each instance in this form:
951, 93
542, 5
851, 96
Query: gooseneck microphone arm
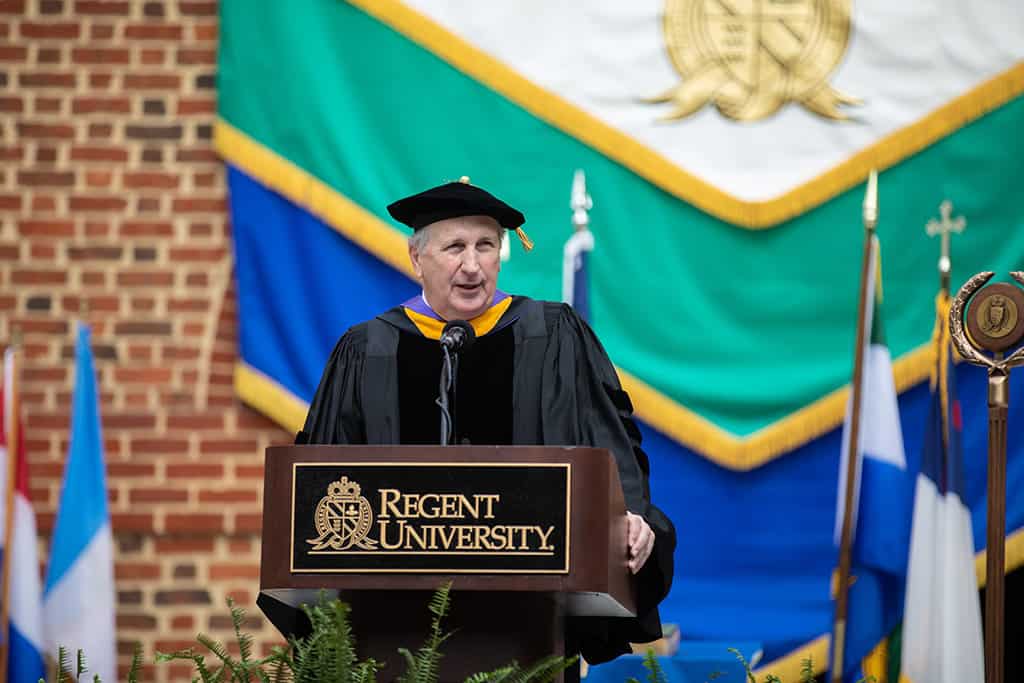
456, 336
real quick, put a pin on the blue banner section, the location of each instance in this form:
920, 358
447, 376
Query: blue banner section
756, 553
300, 285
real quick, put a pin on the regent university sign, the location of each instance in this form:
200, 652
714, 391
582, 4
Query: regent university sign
430, 517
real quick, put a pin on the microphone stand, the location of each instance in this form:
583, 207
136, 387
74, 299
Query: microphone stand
446, 394
457, 336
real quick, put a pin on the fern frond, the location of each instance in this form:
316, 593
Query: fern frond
63, 665
198, 661
280, 662
543, 670
411, 667
743, 661
806, 670
496, 676
343, 647
81, 667
228, 663
655, 674
366, 672
281, 672
440, 602
428, 657
136, 666
216, 647
244, 639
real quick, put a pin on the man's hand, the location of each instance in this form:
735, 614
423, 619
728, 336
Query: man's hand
640, 539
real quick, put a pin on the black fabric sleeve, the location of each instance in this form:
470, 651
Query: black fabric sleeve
605, 418
336, 413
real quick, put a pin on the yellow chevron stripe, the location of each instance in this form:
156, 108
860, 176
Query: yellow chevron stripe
304, 189
647, 163
764, 445
1014, 556
652, 406
270, 398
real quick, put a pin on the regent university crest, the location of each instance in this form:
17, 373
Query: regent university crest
750, 57
343, 518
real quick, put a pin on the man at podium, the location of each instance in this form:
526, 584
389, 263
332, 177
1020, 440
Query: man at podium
527, 373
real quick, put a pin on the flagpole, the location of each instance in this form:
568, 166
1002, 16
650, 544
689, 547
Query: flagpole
578, 245
11, 427
842, 588
995, 323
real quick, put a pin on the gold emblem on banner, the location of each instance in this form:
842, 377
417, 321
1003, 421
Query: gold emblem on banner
343, 518
750, 57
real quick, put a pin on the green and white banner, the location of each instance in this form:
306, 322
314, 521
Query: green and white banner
738, 338
725, 145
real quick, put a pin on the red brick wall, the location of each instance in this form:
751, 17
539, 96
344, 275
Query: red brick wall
112, 206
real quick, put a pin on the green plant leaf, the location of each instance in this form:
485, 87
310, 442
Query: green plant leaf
806, 670
136, 666
63, 665
81, 669
743, 661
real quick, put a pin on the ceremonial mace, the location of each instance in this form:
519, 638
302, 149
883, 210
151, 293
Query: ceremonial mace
995, 322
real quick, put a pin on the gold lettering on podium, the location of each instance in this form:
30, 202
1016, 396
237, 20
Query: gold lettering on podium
344, 524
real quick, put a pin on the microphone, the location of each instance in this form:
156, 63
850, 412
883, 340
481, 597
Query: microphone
457, 335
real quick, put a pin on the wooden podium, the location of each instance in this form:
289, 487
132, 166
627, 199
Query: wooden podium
527, 535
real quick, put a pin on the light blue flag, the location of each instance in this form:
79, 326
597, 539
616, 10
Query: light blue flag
883, 495
78, 600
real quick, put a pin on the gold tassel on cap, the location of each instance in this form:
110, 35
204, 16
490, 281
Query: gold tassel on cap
524, 238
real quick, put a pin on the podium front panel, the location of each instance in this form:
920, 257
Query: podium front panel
561, 509
430, 517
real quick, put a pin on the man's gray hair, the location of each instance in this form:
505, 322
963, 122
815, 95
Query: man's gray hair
419, 238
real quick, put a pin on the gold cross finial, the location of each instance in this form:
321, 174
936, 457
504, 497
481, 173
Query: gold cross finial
945, 226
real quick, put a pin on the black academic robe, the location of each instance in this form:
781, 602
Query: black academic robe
539, 377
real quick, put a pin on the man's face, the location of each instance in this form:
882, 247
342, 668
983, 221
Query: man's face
459, 265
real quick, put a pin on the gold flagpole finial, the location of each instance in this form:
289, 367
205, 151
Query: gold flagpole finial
871, 202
